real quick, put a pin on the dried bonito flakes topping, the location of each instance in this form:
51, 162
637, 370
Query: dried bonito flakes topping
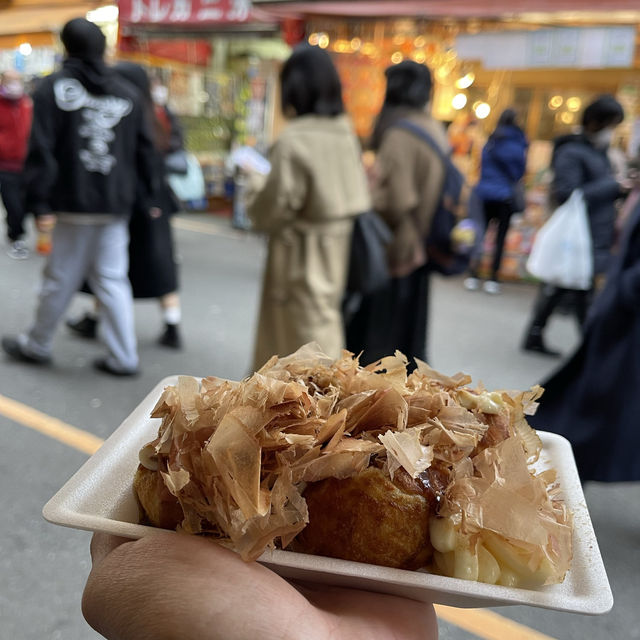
306, 442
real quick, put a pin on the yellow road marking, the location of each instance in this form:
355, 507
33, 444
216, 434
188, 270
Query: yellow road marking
52, 427
483, 623
488, 625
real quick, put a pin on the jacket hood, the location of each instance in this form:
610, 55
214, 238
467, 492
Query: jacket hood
93, 74
508, 132
575, 138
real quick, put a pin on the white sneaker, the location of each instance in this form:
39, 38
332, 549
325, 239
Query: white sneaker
18, 250
492, 287
471, 284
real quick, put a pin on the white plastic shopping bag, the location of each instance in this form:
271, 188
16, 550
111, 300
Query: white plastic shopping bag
189, 186
562, 254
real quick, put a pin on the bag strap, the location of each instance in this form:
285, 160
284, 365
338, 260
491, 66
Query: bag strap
419, 132
445, 158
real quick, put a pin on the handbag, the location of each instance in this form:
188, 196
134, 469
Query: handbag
562, 250
190, 186
177, 162
368, 271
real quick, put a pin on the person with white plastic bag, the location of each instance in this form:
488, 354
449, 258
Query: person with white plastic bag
580, 165
562, 253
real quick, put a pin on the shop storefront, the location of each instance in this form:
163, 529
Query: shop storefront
29, 33
548, 66
219, 62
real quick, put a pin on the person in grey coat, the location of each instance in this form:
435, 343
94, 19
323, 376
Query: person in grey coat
580, 161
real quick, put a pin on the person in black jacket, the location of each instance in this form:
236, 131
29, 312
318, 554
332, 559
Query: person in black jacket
153, 271
580, 161
592, 400
90, 148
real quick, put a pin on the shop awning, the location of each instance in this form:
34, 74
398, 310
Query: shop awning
580, 9
40, 16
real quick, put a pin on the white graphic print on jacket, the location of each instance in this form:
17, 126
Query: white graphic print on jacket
100, 114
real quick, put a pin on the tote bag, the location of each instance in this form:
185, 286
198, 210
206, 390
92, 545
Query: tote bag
368, 270
562, 250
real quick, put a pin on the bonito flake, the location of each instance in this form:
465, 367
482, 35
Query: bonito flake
238, 457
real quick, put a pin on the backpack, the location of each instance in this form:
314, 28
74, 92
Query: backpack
451, 240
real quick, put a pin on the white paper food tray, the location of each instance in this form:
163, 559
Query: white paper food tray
99, 497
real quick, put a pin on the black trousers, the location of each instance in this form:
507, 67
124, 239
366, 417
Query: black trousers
12, 192
500, 211
551, 298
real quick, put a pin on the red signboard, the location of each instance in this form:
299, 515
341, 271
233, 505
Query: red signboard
184, 12
191, 51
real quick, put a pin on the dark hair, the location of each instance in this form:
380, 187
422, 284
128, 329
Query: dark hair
508, 118
603, 112
310, 83
408, 85
408, 89
83, 39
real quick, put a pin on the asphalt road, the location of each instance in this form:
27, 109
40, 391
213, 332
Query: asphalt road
43, 567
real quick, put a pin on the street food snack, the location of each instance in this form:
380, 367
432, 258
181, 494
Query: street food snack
415, 471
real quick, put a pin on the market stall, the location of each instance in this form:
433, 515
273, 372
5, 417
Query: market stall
219, 62
485, 57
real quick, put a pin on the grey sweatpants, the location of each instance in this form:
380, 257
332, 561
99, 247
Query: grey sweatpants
97, 253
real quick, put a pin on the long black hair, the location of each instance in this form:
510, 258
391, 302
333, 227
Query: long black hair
310, 83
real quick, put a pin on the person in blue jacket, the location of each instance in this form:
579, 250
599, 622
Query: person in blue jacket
503, 163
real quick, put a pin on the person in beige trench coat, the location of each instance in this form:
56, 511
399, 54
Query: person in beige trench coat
316, 187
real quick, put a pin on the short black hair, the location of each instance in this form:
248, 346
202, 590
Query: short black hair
603, 112
408, 85
310, 83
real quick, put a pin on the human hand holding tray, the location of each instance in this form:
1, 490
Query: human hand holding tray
100, 497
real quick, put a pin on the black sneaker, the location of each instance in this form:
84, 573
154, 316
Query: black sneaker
171, 337
13, 348
533, 342
86, 327
102, 364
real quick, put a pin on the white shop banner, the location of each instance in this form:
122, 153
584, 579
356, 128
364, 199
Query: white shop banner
580, 47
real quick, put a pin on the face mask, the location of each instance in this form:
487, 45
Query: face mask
160, 94
12, 90
603, 138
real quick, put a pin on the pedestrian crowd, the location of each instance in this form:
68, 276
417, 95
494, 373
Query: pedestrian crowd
108, 212
89, 153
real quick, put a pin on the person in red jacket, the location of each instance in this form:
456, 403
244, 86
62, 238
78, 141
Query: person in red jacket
15, 125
